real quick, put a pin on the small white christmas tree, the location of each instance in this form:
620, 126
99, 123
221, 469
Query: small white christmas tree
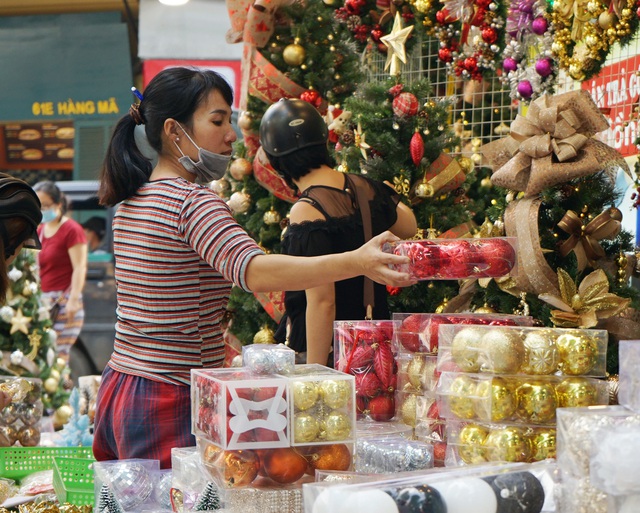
209, 500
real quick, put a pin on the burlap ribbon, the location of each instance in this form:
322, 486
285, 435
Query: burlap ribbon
584, 239
625, 326
552, 144
252, 21
444, 174
534, 275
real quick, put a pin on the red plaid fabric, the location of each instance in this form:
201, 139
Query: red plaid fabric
140, 418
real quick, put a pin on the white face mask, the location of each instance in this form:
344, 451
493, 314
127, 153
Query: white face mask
210, 166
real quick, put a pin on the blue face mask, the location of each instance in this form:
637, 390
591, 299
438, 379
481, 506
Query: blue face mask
49, 215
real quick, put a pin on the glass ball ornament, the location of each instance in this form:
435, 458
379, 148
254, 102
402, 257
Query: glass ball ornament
335, 393
8, 436
503, 350
239, 168
9, 414
30, 414
578, 352
495, 401
29, 436
424, 190
130, 482
337, 426
537, 401
462, 394
543, 444
244, 120
305, 394
162, 491
471, 443
467, 494
509, 444
305, 428
220, 187
465, 349
51, 385
240, 468
517, 492
576, 392
540, 353
271, 217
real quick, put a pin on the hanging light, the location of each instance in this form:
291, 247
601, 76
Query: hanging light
173, 2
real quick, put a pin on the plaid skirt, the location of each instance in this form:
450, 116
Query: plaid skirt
140, 418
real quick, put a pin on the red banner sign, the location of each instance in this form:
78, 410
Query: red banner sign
230, 70
616, 90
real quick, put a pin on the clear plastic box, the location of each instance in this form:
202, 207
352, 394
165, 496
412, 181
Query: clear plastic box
457, 259
418, 332
516, 399
268, 358
522, 349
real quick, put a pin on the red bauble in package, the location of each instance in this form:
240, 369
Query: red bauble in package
382, 408
460, 259
368, 384
329, 457
360, 358
434, 327
439, 453
383, 364
426, 258
361, 406
409, 333
499, 256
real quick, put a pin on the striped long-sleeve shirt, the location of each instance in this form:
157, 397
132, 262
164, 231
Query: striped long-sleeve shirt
177, 249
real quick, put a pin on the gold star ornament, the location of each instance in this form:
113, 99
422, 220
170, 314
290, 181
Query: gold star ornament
395, 42
20, 323
360, 142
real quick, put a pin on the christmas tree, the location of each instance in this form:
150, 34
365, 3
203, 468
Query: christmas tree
209, 500
76, 431
107, 502
306, 53
27, 340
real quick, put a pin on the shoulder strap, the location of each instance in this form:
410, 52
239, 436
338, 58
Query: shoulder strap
365, 213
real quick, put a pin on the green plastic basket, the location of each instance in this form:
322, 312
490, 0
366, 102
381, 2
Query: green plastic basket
73, 480
19, 462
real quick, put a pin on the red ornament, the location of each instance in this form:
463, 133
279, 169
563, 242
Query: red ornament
443, 17
393, 291
396, 90
409, 333
311, 96
368, 384
354, 6
425, 256
382, 408
284, 465
445, 55
483, 3
470, 64
459, 259
439, 453
405, 105
240, 467
361, 406
376, 33
498, 256
383, 364
489, 35
361, 358
382, 48
416, 147
434, 328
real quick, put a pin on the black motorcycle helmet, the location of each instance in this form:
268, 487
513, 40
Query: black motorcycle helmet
290, 125
18, 200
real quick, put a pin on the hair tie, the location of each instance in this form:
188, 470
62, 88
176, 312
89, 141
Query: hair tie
136, 115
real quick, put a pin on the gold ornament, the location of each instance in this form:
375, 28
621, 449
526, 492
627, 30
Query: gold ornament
537, 401
503, 350
466, 164
540, 353
471, 443
509, 444
496, 400
220, 187
271, 216
305, 394
395, 42
462, 393
465, 349
335, 393
576, 392
305, 428
408, 410
484, 309
239, 168
264, 336
401, 185
578, 352
336, 426
622, 262
62, 415
239, 202
34, 340
19, 323
244, 120
294, 54
51, 385
415, 371
26, 291
360, 142
329, 2
606, 20
613, 384
424, 190
55, 374
543, 444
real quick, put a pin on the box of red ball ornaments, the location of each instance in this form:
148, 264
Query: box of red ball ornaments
267, 468
515, 399
239, 409
522, 350
418, 332
457, 259
364, 350
473, 443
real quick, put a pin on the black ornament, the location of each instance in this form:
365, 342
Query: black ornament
433, 501
517, 492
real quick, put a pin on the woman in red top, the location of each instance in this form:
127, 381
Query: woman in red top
63, 264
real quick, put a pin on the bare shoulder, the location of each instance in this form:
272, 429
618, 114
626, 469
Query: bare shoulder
304, 210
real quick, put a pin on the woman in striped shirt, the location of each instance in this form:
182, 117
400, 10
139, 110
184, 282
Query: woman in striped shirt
178, 250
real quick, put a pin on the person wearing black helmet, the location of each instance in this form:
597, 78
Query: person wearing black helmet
20, 216
336, 212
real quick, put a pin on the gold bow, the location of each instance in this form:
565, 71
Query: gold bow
583, 306
552, 144
583, 240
